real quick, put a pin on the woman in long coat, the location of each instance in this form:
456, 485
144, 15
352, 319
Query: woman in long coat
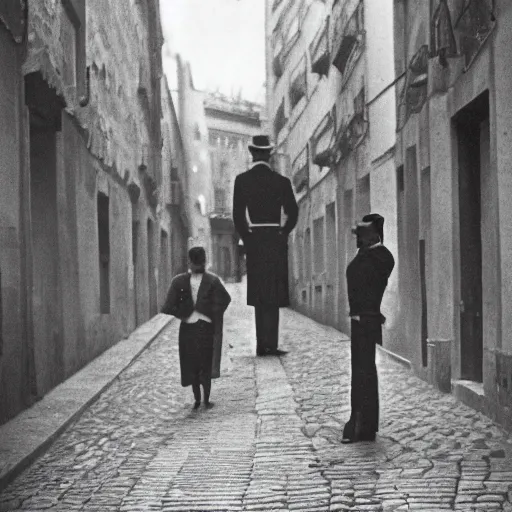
199, 299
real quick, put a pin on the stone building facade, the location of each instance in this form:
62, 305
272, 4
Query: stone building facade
331, 106
453, 168
85, 226
231, 125
194, 130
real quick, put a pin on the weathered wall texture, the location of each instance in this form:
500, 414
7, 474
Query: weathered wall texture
90, 233
467, 330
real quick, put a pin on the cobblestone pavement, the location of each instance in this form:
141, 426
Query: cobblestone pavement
272, 441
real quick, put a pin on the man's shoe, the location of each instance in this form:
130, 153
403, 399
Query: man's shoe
279, 352
208, 404
196, 405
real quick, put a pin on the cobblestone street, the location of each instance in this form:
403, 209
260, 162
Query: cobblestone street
272, 441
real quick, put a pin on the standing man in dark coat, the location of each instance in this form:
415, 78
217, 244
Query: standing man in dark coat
367, 278
259, 195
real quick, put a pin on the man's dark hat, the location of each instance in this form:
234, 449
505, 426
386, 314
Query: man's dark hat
378, 221
261, 142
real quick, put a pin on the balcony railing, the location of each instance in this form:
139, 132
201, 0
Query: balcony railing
319, 51
322, 140
350, 136
415, 89
347, 36
442, 37
473, 26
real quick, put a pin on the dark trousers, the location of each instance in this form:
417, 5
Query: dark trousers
267, 328
364, 395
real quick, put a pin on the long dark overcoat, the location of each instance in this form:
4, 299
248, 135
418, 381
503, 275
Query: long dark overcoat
260, 194
367, 278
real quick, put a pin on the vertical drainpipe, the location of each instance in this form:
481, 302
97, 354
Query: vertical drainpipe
268, 70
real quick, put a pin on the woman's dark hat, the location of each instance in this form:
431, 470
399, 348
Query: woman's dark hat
261, 142
378, 221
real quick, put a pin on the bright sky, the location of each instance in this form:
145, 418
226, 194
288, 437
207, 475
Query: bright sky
224, 41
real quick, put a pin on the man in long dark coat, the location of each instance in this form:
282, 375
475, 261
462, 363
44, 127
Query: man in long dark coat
367, 278
259, 195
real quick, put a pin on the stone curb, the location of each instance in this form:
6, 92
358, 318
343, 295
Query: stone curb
29, 435
394, 357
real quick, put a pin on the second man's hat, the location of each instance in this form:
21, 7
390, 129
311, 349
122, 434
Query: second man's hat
378, 221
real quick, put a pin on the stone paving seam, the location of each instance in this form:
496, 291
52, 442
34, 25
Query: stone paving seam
14, 469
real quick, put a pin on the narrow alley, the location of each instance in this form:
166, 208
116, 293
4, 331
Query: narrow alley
272, 441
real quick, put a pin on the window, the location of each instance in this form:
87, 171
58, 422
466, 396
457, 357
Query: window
400, 178
280, 119
213, 162
1, 318
323, 139
68, 36
220, 199
307, 254
298, 83
300, 170
223, 168
163, 273
300, 257
73, 34
104, 251
359, 102
346, 36
318, 237
319, 50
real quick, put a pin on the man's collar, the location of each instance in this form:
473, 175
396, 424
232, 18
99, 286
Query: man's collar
260, 162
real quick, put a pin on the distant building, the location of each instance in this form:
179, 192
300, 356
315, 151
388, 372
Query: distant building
194, 132
231, 125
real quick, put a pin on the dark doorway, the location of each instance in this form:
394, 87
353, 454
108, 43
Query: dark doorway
151, 270
423, 286
104, 252
163, 272
47, 328
135, 246
470, 147
332, 264
424, 255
